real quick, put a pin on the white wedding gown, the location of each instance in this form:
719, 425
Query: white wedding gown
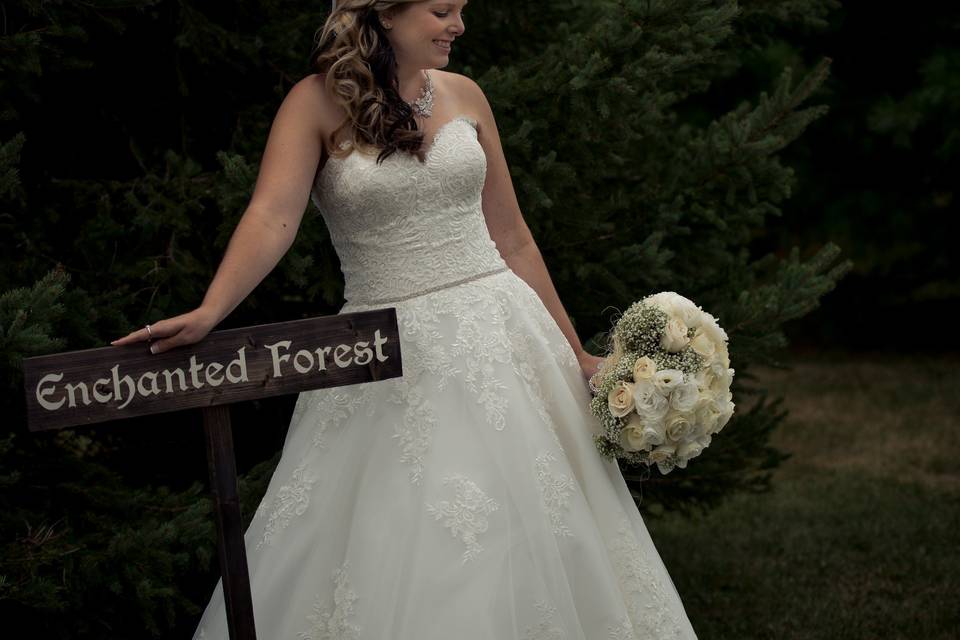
464, 500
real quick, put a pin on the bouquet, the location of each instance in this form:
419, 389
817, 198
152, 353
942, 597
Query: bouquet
664, 390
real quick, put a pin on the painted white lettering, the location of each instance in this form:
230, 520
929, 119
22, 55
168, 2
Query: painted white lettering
378, 342
212, 370
239, 363
322, 353
303, 368
71, 393
43, 391
154, 390
339, 351
97, 395
277, 359
128, 381
363, 352
195, 371
181, 376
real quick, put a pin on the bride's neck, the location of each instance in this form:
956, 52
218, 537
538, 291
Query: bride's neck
411, 83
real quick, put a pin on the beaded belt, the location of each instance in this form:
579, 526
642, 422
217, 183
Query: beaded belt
431, 289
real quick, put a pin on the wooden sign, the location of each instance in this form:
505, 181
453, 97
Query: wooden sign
110, 383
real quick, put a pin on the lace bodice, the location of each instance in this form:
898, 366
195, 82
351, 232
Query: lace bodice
406, 226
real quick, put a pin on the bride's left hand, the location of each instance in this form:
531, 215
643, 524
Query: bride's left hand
589, 364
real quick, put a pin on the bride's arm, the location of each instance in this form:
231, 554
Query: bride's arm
270, 222
268, 225
505, 222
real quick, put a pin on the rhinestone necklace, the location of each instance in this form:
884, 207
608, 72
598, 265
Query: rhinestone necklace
423, 106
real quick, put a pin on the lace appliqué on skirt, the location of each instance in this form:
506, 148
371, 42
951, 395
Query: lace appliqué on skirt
414, 432
545, 629
291, 500
647, 602
465, 515
332, 622
555, 490
331, 408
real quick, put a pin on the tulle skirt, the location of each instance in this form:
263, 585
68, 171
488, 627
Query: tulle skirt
463, 500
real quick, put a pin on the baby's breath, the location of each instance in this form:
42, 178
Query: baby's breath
640, 328
687, 360
606, 448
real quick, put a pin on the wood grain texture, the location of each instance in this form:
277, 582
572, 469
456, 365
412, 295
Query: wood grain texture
116, 382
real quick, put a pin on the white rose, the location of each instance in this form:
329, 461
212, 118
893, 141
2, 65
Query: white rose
676, 305
702, 379
722, 355
684, 396
631, 438
643, 369
666, 380
690, 449
636, 435
649, 402
699, 431
664, 300
678, 427
654, 434
702, 344
662, 453
620, 399
687, 311
722, 377
713, 331
708, 414
674, 336
703, 399
726, 412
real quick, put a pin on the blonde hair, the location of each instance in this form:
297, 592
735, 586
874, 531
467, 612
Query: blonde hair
353, 51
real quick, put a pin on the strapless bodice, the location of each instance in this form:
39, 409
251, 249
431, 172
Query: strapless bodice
406, 226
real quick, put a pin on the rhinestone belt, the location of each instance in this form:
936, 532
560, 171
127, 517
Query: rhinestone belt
431, 289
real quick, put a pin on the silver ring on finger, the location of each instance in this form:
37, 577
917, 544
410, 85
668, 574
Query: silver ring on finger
149, 333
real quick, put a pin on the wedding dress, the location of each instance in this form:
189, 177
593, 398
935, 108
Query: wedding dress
464, 500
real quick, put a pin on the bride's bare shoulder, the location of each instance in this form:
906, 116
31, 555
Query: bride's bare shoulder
456, 85
464, 92
319, 103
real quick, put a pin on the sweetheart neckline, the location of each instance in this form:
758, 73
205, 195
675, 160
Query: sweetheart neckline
433, 142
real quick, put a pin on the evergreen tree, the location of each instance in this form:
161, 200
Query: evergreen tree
634, 170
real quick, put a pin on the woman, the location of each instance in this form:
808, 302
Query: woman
465, 499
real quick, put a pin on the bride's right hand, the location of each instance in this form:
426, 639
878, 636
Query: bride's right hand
187, 328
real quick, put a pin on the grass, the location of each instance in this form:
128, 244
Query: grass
859, 537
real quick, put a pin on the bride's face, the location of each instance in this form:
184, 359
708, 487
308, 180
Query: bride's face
422, 33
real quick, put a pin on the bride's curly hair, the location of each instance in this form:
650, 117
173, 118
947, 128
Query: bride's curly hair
353, 51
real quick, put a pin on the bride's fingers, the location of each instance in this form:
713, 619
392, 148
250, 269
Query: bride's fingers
134, 336
161, 329
164, 345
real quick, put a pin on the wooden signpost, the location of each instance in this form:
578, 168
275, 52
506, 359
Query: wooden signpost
112, 383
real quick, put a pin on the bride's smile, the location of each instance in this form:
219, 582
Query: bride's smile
409, 25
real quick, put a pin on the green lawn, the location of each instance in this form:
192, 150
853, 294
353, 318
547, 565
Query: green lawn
859, 537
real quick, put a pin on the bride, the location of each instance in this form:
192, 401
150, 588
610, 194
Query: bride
465, 499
